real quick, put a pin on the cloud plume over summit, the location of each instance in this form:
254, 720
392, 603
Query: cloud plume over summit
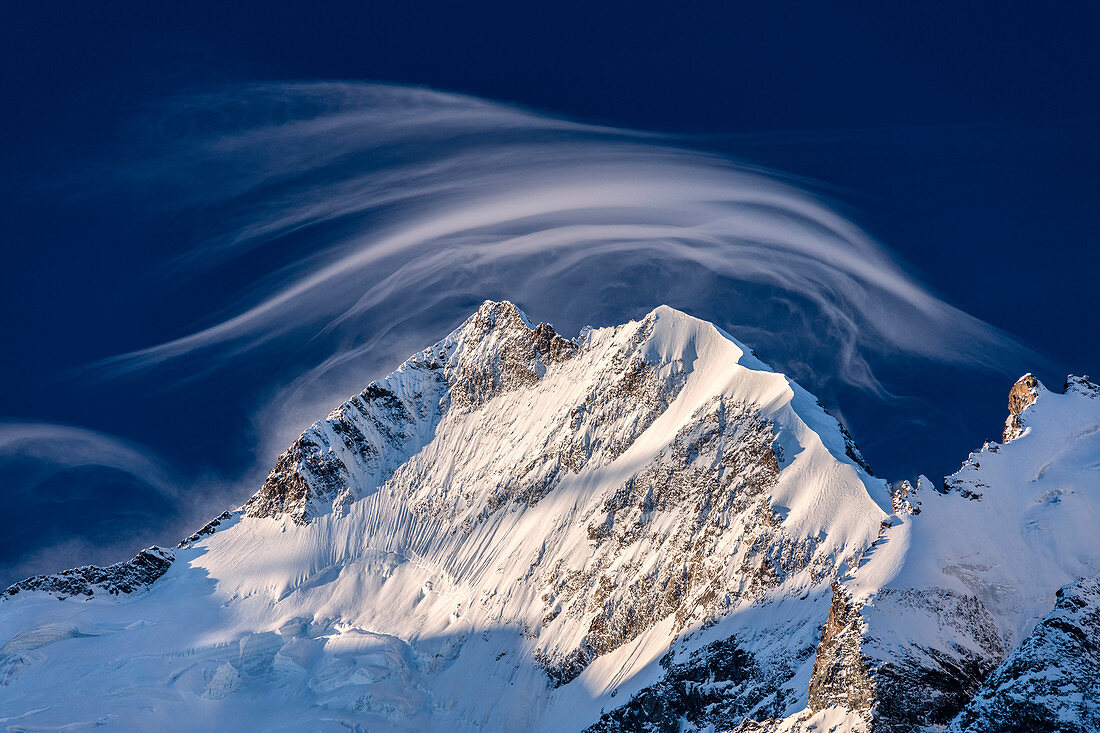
322, 232
387, 208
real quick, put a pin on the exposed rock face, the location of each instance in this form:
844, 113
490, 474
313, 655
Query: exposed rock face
841, 677
919, 686
208, 529
1022, 395
909, 687
903, 497
306, 473
89, 580
321, 471
499, 351
1051, 682
853, 451
332, 462
1082, 385
715, 689
712, 481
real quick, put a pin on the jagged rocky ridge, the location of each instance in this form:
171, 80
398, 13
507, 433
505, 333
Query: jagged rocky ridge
122, 577
643, 528
364, 440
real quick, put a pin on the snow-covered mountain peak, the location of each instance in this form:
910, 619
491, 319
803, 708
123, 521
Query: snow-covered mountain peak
551, 512
640, 528
361, 442
498, 351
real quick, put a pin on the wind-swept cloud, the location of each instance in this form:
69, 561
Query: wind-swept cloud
51, 448
78, 496
397, 202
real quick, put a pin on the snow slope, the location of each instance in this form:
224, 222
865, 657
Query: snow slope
509, 532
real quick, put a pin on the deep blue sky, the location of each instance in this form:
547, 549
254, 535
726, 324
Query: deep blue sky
962, 137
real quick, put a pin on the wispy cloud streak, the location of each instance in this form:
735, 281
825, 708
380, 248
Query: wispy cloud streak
405, 199
52, 448
82, 496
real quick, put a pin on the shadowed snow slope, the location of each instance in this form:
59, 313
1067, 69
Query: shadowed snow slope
643, 528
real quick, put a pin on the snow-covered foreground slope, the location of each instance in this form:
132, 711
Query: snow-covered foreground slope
643, 528
965, 571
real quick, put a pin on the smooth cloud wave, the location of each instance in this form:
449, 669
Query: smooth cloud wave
52, 448
399, 204
81, 496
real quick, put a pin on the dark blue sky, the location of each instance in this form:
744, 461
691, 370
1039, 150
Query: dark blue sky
963, 138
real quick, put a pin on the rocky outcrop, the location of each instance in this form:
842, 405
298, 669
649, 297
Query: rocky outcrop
359, 445
841, 677
306, 473
1081, 385
629, 398
712, 482
919, 686
498, 350
714, 689
903, 496
895, 686
208, 529
1051, 682
1027, 390
1022, 395
89, 580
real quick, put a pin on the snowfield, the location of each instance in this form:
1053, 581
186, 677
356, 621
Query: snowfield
642, 528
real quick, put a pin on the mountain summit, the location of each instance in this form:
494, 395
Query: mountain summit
641, 528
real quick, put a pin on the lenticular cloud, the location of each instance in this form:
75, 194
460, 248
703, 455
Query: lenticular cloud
385, 207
